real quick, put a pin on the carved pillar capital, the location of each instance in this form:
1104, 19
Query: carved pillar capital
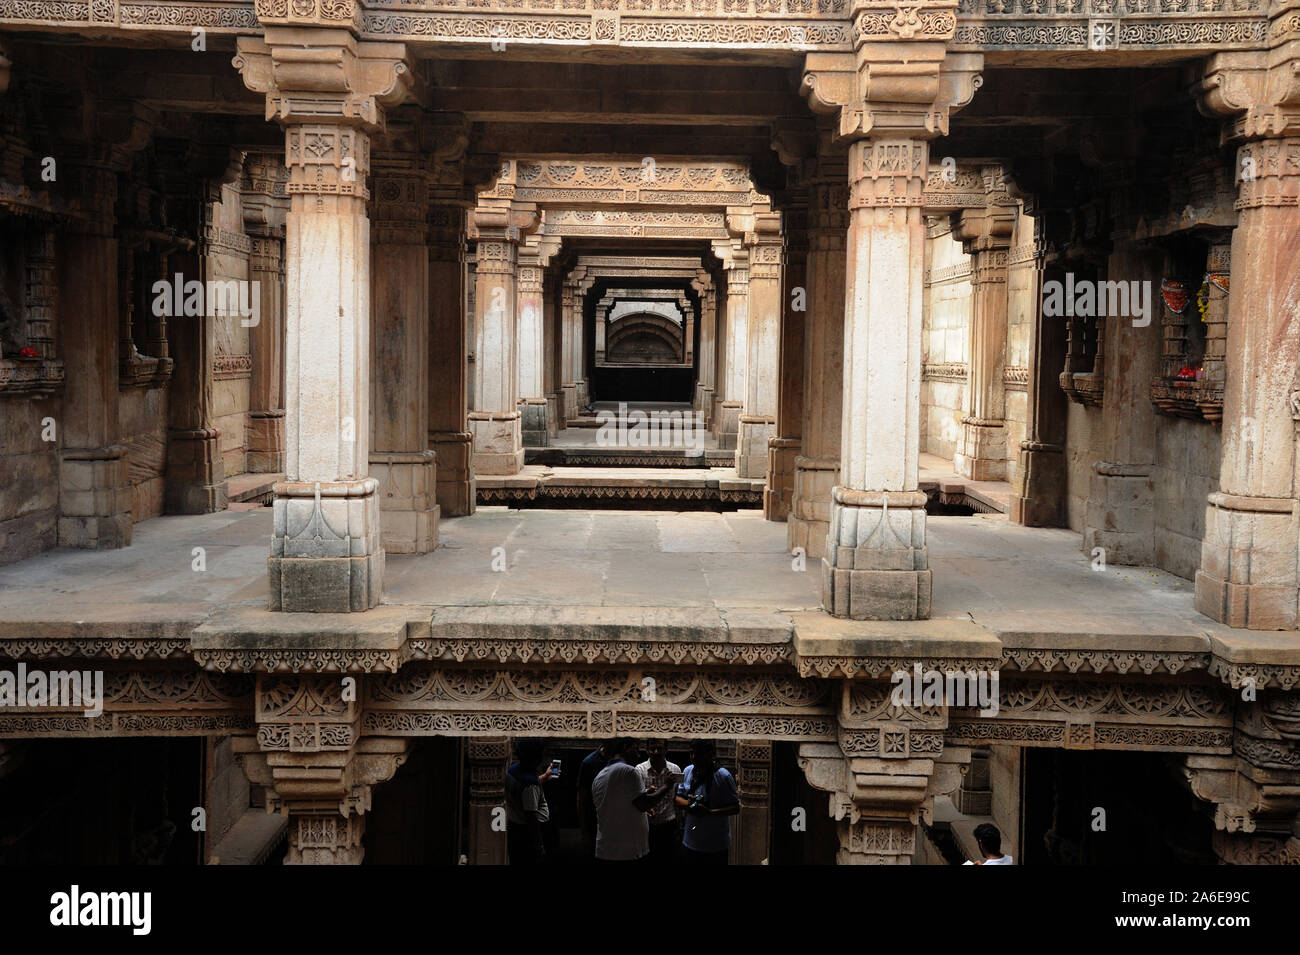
316, 767
324, 75
900, 81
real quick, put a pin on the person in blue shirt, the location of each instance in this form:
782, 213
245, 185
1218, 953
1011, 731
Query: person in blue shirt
709, 798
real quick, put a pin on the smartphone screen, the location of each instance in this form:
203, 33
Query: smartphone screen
555, 769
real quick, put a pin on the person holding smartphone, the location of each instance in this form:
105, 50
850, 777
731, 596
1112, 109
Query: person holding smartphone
664, 831
526, 808
621, 801
709, 797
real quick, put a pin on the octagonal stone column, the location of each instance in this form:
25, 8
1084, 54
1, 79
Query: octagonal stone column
876, 565
817, 469
757, 420
400, 459
326, 549
985, 234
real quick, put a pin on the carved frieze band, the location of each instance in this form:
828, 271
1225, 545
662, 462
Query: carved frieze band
944, 371
796, 25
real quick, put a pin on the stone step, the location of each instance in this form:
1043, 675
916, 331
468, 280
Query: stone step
689, 488
630, 457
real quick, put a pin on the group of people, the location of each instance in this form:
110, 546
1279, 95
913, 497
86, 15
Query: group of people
648, 811
629, 809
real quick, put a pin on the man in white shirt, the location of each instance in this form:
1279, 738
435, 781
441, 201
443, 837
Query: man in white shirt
655, 772
622, 833
989, 841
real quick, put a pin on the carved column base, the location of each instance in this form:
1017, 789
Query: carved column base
778, 497
456, 491
810, 508
498, 442
95, 498
729, 425
1249, 575
196, 479
876, 565
265, 440
580, 389
753, 434
704, 402
1120, 518
981, 450
570, 392
553, 404
1039, 500
408, 510
326, 552
533, 426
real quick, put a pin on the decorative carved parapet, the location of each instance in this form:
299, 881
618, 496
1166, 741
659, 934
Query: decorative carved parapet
1108, 27
1086, 28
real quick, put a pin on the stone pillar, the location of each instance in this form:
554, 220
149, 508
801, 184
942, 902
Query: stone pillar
532, 351
551, 292
195, 477
602, 323
579, 342
757, 422
737, 350
974, 796
784, 446
265, 205
1039, 499
876, 565
568, 387
985, 234
400, 459
817, 469
1120, 515
752, 843
95, 496
1250, 560
488, 759
688, 330
706, 356
495, 419
326, 550
449, 436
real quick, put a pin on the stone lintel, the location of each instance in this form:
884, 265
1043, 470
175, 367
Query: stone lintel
827, 646
250, 639
1269, 658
